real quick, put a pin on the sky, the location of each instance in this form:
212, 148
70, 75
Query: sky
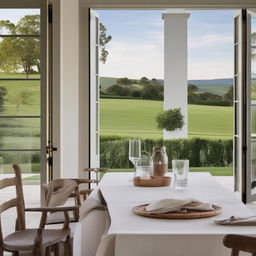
136, 49
14, 15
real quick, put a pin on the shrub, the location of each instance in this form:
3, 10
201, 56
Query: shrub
124, 81
200, 152
170, 120
151, 92
118, 90
136, 93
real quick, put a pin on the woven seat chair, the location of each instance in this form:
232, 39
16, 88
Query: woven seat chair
94, 176
38, 241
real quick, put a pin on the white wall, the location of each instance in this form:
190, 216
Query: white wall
75, 70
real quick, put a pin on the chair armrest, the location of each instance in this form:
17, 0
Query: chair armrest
86, 181
104, 170
53, 209
240, 243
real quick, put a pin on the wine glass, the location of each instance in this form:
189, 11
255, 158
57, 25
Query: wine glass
134, 151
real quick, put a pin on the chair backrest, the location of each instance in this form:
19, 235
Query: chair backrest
17, 202
240, 243
57, 192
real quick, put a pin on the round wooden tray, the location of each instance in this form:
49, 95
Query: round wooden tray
140, 210
152, 182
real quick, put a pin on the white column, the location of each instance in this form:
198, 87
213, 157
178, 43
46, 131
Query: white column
175, 66
69, 100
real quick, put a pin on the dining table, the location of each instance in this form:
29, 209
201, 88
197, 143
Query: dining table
143, 236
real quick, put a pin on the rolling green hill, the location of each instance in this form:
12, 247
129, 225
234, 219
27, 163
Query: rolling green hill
215, 86
136, 118
106, 82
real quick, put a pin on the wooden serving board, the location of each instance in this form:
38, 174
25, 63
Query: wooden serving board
190, 214
152, 182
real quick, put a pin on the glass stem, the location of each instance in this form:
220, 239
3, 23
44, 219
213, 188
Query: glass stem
135, 165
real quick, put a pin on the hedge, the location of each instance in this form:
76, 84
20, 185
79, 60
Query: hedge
200, 152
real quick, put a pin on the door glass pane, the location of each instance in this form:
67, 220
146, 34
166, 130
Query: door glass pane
253, 150
253, 105
26, 25
28, 161
20, 90
21, 98
253, 30
236, 36
20, 133
237, 58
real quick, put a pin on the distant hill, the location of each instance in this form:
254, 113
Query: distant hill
106, 82
216, 86
217, 82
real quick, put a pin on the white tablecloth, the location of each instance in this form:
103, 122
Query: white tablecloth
139, 236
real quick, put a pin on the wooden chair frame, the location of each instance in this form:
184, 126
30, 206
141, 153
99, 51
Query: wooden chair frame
240, 243
38, 248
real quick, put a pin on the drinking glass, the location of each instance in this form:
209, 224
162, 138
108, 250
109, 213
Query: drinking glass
180, 170
144, 167
134, 152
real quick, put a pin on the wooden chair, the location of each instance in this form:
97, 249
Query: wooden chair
98, 173
240, 243
39, 241
57, 192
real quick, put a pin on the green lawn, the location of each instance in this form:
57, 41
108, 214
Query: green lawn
122, 117
136, 118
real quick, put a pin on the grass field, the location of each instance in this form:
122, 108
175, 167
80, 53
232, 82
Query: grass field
136, 118
122, 117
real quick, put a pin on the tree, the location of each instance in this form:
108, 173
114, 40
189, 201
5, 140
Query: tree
21, 98
192, 88
150, 92
118, 90
124, 81
253, 39
136, 93
144, 81
23, 53
3, 93
17, 53
104, 40
170, 120
228, 96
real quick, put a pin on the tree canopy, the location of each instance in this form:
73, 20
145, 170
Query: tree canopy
104, 40
21, 53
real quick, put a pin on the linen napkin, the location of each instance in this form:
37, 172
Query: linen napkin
237, 221
178, 205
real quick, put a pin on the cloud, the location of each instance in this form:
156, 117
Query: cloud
210, 69
209, 40
133, 60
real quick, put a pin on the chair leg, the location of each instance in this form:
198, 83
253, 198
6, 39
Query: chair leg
69, 246
235, 252
57, 249
48, 251
39, 251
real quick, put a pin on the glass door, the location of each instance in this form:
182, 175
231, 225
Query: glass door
21, 94
251, 176
94, 90
245, 105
